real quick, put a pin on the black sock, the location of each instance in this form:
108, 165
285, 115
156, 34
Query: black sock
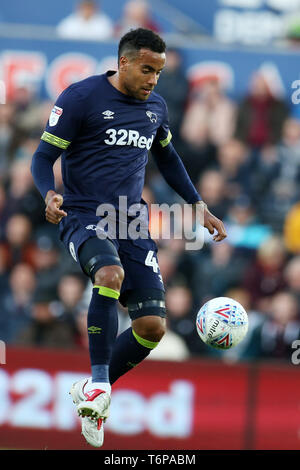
102, 322
129, 350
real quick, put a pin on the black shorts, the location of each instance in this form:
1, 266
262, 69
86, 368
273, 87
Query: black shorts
138, 257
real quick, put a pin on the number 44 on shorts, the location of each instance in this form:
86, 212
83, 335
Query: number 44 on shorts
151, 261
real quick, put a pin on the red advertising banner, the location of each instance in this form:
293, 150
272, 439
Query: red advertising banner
197, 404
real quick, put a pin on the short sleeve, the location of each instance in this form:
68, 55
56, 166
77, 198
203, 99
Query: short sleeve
65, 120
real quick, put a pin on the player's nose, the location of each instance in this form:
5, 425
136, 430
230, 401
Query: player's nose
152, 81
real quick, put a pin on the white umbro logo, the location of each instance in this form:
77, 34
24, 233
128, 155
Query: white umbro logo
108, 114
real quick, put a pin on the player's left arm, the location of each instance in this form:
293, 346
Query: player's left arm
171, 167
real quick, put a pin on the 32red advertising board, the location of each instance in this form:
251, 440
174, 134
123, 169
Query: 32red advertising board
197, 404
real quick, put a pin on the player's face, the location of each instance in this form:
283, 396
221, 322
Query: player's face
140, 74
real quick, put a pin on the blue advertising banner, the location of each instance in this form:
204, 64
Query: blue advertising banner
54, 64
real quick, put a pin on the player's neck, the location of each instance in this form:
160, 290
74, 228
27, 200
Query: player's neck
114, 80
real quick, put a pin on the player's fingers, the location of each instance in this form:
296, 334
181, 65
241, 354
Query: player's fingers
210, 228
55, 204
221, 232
54, 215
53, 209
61, 213
218, 238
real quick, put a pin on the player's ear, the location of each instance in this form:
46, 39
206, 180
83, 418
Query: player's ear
123, 63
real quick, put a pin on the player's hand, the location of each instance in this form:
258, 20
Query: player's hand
53, 212
212, 223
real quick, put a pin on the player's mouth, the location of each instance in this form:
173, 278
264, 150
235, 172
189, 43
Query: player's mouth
146, 91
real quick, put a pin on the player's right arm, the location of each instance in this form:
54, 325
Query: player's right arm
64, 122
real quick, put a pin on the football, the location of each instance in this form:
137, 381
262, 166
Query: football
222, 323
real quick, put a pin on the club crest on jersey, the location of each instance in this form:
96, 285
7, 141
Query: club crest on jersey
108, 114
55, 115
151, 116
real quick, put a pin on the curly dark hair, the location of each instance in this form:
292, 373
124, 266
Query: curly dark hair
140, 38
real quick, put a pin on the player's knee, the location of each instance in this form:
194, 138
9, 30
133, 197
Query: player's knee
110, 276
151, 328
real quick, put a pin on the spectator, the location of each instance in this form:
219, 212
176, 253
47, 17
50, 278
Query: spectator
167, 261
69, 306
173, 86
219, 270
28, 110
87, 22
212, 187
281, 328
280, 177
264, 276
70, 291
235, 163
45, 328
18, 244
16, 302
6, 135
136, 14
181, 316
244, 229
260, 115
210, 116
292, 276
206, 124
22, 196
48, 263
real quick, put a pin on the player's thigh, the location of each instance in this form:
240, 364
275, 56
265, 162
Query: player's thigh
99, 259
78, 234
142, 290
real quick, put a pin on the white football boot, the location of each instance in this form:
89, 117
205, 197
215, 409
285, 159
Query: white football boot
93, 408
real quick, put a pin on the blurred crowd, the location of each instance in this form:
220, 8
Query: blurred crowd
243, 157
89, 22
